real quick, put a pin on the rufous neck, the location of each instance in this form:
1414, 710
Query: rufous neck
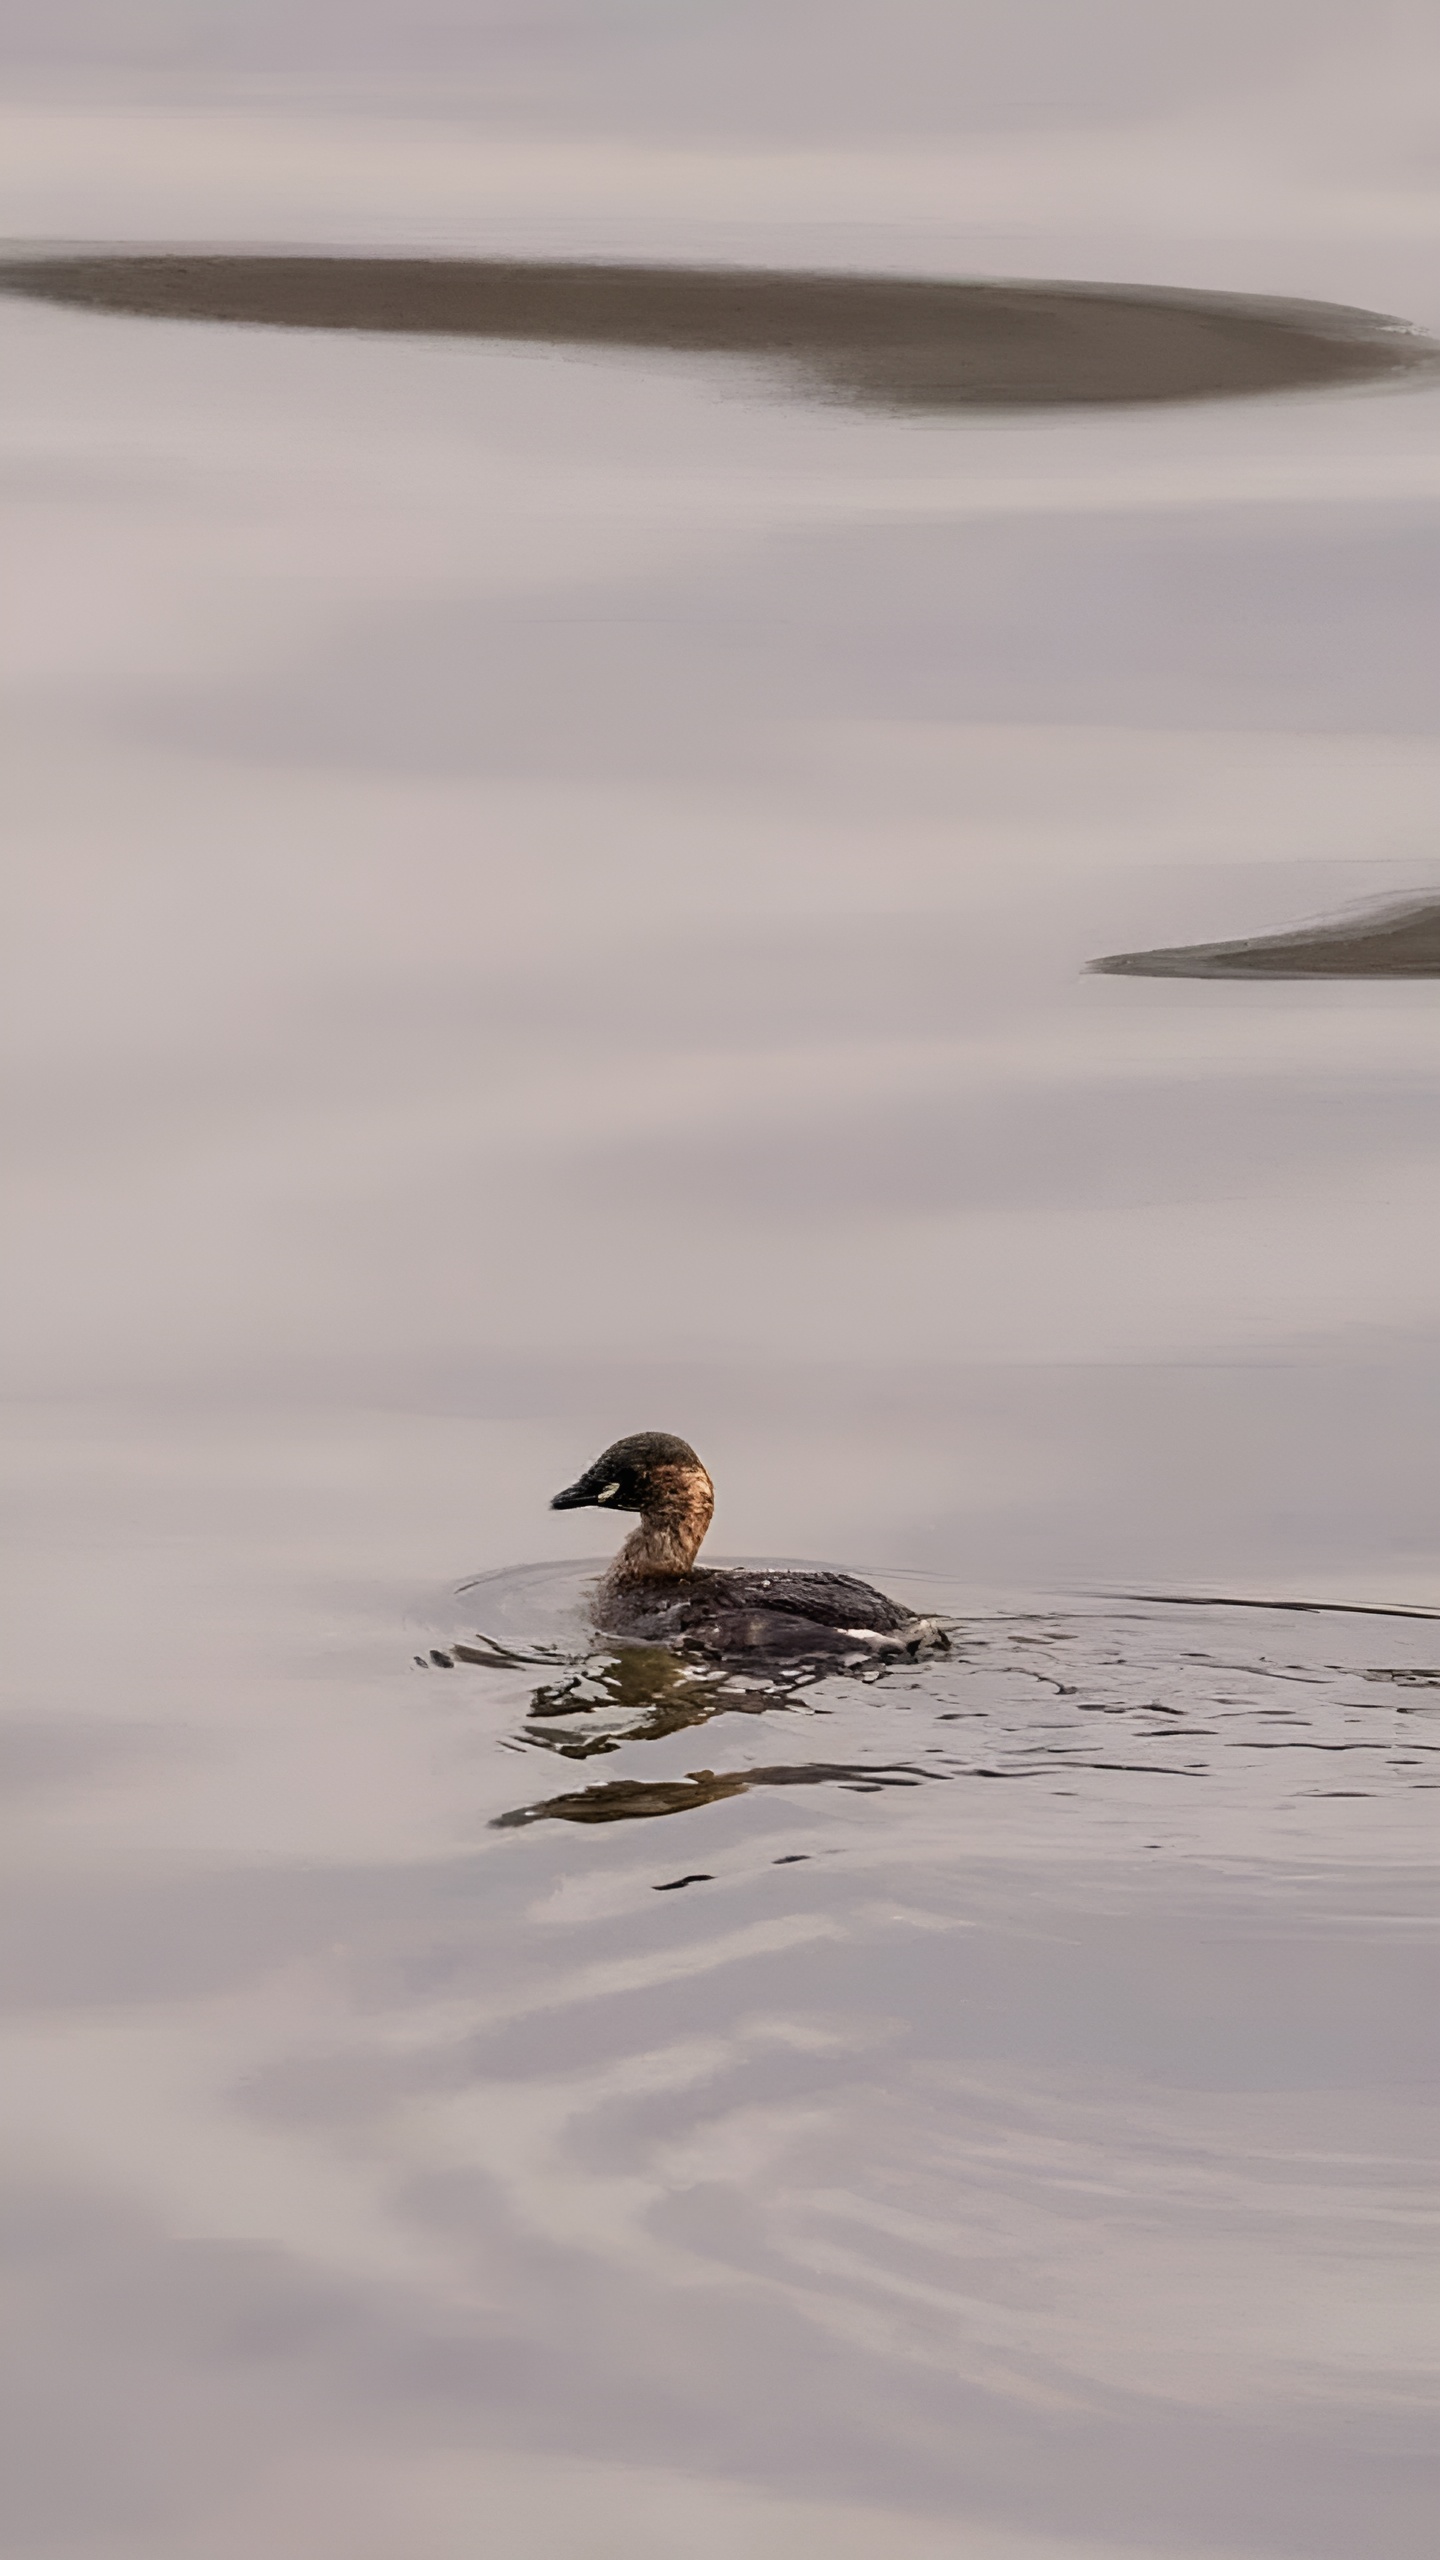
671, 1528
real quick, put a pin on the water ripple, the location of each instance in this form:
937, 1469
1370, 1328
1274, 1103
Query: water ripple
1235, 1696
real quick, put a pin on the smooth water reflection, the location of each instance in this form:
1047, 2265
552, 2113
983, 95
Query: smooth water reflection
1028, 2167
555, 894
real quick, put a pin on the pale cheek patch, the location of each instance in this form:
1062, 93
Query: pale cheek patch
609, 1493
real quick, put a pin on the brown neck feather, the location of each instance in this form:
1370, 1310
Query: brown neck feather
671, 1526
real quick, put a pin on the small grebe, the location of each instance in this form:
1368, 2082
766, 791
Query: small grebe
654, 1592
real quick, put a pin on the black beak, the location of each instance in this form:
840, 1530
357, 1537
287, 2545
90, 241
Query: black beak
574, 1498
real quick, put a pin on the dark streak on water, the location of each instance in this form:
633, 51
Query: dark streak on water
894, 342
1390, 942
636, 1799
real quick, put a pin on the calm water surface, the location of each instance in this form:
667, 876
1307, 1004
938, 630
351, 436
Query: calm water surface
553, 895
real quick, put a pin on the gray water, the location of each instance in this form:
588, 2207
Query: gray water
553, 893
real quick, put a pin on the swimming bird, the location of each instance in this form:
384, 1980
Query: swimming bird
655, 1593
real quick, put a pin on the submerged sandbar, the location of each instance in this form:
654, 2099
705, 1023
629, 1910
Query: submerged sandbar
908, 343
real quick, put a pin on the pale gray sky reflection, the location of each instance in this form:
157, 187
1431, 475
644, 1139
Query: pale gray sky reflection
793, 68
1203, 620
554, 896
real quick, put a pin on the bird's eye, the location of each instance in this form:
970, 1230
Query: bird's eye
609, 1493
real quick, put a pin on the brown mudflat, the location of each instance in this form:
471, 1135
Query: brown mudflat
1391, 942
894, 342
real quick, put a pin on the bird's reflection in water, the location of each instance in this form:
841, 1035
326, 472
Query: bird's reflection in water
640, 1693
1222, 1695
637, 1799
653, 1690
